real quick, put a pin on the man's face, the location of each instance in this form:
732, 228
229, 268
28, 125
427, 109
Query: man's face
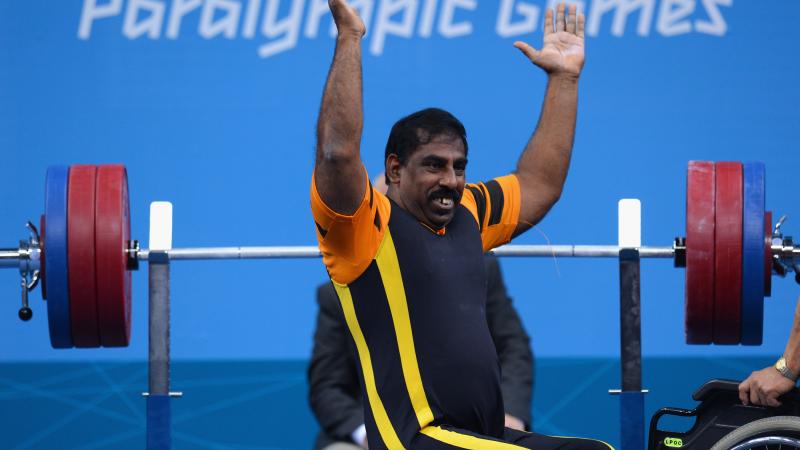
431, 183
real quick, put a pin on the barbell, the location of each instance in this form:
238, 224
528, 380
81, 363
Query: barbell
82, 254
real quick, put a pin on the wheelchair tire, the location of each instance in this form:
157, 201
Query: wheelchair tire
773, 432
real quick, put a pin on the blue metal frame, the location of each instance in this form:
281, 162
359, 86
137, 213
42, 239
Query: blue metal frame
159, 417
631, 396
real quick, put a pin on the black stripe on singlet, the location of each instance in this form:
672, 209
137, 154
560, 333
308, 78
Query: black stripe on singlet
496, 199
480, 202
372, 311
322, 231
370, 195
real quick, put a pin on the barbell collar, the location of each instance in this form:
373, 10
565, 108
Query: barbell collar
679, 248
786, 251
132, 255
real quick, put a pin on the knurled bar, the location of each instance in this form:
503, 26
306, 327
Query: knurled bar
560, 251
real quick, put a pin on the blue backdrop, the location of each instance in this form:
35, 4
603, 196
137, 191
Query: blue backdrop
211, 104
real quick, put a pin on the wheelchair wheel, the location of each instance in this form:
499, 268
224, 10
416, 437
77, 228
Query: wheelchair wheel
772, 433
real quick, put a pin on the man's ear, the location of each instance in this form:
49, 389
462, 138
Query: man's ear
393, 168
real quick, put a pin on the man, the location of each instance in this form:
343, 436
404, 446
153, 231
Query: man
334, 391
766, 385
408, 266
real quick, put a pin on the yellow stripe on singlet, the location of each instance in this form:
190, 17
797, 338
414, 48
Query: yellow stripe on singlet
467, 441
385, 427
389, 268
586, 439
392, 279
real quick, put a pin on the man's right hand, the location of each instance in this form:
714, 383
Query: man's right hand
348, 22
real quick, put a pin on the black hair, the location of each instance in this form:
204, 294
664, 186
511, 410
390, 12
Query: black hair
421, 128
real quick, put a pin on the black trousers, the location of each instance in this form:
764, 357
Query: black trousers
436, 438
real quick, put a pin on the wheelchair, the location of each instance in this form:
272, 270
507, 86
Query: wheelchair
722, 422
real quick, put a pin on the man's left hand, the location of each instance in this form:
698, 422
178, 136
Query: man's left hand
513, 422
764, 387
563, 50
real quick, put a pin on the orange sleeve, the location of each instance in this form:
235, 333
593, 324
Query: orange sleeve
495, 206
349, 243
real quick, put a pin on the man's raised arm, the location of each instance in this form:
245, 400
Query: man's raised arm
339, 172
542, 168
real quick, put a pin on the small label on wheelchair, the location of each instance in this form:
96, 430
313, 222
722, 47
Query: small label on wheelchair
673, 442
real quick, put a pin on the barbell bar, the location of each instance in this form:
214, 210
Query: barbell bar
93, 200
14, 258
560, 251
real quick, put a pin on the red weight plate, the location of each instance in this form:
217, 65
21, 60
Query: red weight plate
768, 253
112, 232
700, 187
728, 254
80, 256
42, 272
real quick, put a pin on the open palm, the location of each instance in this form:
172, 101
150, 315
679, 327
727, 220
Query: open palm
563, 48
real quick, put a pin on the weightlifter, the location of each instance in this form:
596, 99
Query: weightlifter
408, 266
334, 393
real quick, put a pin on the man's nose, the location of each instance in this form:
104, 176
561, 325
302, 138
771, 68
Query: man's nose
448, 179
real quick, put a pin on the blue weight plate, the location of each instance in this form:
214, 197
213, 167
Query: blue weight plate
753, 254
55, 210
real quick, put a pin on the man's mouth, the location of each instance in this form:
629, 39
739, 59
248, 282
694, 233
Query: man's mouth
444, 200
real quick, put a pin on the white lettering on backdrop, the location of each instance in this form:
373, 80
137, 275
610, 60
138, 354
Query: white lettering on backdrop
280, 22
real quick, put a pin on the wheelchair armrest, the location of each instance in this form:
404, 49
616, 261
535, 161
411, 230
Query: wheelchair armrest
791, 397
731, 387
713, 386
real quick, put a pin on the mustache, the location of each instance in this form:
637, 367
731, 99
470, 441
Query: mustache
445, 193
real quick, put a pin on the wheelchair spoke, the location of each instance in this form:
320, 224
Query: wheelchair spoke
769, 442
